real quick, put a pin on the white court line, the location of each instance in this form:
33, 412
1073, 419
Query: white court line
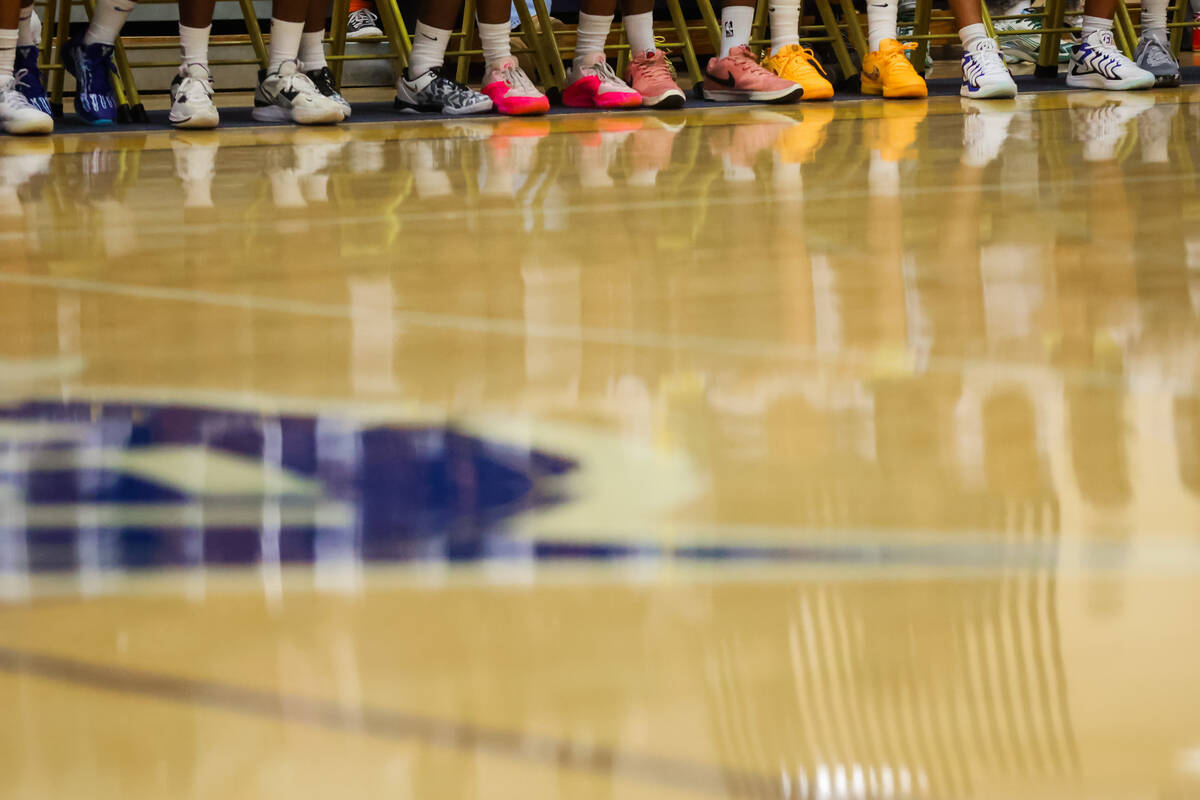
522, 329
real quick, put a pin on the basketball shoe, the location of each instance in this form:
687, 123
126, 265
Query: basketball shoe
362, 24
888, 72
739, 77
984, 75
95, 102
18, 115
323, 79
433, 92
799, 65
652, 76
1098, 64
591, 83
191, 98
511, 90
29, 77
1154, 55
287, 95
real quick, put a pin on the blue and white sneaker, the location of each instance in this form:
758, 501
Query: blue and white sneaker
1098, 64
984, 73
95, 102
29, 77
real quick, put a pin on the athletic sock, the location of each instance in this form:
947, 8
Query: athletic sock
26, 33
428, 49
971, 35
1154, 16
312, 50
107, 22
639, 30
193, 45
881, 21
1093, 24
8, 53
785, 24
736, 22
591, 34
496, 40
285, 42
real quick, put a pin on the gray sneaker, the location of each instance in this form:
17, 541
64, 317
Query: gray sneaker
1154, 55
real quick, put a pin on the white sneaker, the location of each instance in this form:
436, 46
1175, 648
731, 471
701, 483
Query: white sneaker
191, 98
984, 74
287, 95
18, 115
1098, 64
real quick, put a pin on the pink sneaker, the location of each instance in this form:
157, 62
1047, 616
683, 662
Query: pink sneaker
739, 77
651, 75
591, 83
511, 90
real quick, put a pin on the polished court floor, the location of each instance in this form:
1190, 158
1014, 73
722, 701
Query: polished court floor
839, 451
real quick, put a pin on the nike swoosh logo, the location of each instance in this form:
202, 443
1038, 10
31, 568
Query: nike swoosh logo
873, 75
728, 81
427, 36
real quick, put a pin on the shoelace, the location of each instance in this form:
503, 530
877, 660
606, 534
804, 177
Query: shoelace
752, 67
988, 56
603, 71
19, 81
659, 68
195, 88
363, 17
295, 80
515, 77
899, 54
1157, 51
805, 56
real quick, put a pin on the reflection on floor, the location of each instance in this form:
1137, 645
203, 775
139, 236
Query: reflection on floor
838, 451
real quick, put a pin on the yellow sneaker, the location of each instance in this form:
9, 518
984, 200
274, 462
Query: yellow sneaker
799, 65
887, 71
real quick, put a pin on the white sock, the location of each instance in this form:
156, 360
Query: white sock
1154, 15
735, 27
785, 24
428, 49
591, 34
1093, 24
972, 34
312, 50
496, 41
881, 21
26, 35
108, 20
193, 45
639, 30
285, 42
8, 53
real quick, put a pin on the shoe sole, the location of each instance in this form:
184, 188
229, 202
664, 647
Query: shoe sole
792, 94
195, 123
363, 34
30, 127
412, 108
1166, 81
1097, 81
280, 114
671, 99
994, 93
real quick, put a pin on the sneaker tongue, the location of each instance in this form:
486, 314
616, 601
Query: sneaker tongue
1105, 39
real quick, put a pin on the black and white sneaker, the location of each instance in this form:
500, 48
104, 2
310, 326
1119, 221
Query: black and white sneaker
323, 79
436, 93
1098, 64
363, 24
191, 99
288, 95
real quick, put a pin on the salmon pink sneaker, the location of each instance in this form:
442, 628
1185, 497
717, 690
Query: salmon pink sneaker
739, 77
511, 90
591, 83
651, 75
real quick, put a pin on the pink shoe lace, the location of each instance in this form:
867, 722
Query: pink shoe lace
655, 66
754, 68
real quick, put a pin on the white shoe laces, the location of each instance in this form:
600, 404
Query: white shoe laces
363, 17
987, 53
515, 77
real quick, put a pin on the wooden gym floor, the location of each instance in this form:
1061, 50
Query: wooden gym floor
836, 451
